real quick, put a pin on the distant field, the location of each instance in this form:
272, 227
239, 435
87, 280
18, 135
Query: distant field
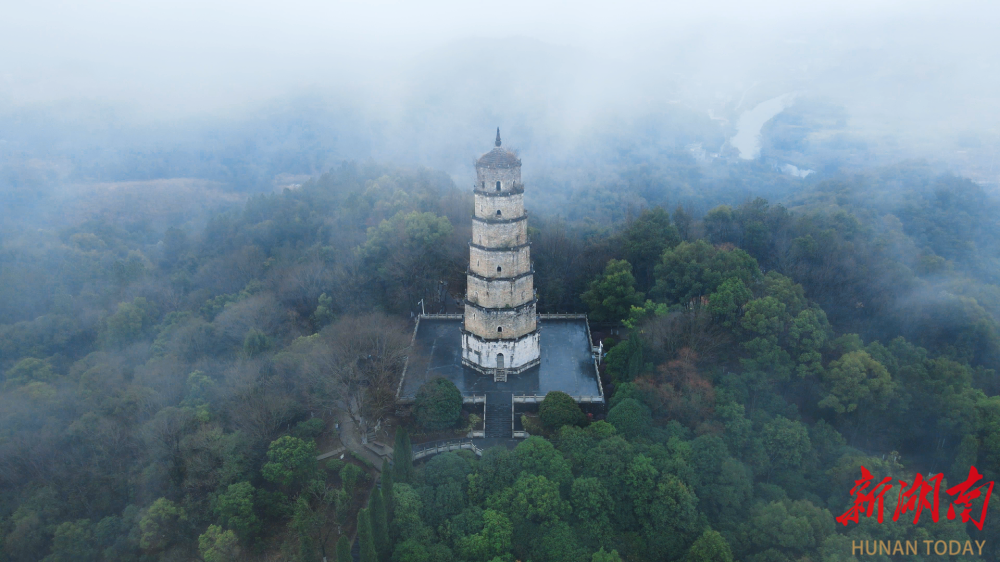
161, 202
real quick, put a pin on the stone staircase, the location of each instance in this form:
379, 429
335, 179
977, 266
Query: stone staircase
498, 415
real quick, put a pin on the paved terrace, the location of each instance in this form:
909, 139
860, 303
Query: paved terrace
567, 363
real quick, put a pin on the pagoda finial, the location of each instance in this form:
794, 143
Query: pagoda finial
498, 136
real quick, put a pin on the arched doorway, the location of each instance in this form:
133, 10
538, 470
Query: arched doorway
500, 361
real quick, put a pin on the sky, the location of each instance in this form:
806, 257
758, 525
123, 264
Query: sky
922, 74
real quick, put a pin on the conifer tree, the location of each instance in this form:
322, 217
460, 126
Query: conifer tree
402, 456
343, 550
380, 526
368, 553
387, 493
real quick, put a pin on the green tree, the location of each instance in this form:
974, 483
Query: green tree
493, 541
612, 295
497, 469
73, 541
673, 520
625, 360
645, 239
365, 537
387, 493
762, 324
235, 510
402, 457
290, 460
343, 549
710, 547
255, 342
592, 507
161, 525
536, 455
727, 302
786, 442
557, 542
216, 545
404, 256
532, 499
695, 269
558, 409
808, 334
324, 312
29, 370
407, 523
604, 556
306, 523
854, 381
380, 525
630, 418
130, 322
684, 222
791, 527
438, 404
350, 474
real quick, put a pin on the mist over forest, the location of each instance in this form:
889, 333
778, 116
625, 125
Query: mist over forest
218, 222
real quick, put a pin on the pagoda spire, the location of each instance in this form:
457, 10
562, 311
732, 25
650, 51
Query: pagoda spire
498, 136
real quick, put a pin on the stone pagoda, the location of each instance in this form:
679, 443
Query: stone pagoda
500, 331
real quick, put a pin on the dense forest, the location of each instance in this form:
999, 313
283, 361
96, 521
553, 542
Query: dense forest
167, 382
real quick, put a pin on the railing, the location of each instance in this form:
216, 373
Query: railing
512, 432
406, 363
537, 398
474, 399
556, 316
424, 450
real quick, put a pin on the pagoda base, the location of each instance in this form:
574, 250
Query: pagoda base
510, 356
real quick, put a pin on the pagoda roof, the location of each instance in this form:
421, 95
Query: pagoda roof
498, 158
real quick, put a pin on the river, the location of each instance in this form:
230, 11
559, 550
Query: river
747, 137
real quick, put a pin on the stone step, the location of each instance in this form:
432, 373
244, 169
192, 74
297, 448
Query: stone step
498, 415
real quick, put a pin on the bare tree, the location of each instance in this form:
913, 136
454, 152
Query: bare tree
356, 363
259, 406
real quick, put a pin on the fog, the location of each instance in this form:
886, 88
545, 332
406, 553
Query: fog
85, 91
220, 221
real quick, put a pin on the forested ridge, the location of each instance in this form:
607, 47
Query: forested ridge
165, 391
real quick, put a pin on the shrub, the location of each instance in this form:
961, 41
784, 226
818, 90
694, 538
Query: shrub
333, 466
309, 429
559, 409
349, 476
532, 424
438, 404
361, 459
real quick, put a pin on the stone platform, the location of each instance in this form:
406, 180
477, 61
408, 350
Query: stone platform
567, 361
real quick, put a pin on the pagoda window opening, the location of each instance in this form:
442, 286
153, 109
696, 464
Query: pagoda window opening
498, 186
498, 269
499, 329
498, 212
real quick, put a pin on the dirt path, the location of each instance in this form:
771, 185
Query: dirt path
350, 438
